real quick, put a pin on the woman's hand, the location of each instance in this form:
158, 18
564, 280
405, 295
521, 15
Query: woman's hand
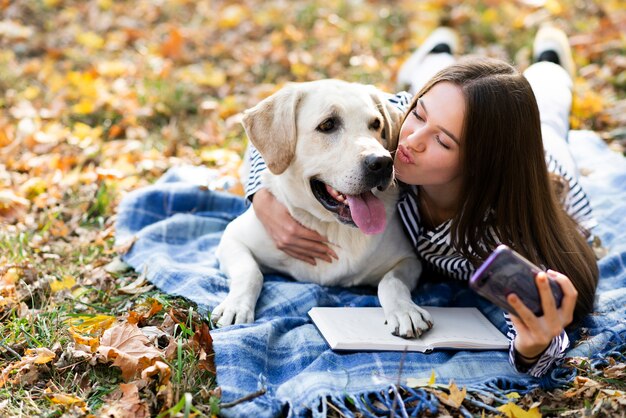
289, 236
534, 334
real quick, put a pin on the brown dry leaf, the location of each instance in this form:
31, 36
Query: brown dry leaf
32, 356
129, 349
158, 368
583, 386
617, 371
129, 405
139, 286
144, 311
12, 206
203, 343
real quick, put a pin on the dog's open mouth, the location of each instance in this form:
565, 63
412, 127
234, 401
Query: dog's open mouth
365, 211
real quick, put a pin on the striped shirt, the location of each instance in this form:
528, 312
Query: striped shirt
435, 249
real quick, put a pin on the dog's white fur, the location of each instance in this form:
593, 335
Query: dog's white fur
284, 128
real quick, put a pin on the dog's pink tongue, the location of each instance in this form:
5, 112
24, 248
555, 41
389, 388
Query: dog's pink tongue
368, 213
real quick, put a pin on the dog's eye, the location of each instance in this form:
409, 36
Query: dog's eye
375, 125
328, 125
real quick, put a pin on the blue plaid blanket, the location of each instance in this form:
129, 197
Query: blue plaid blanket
177, 224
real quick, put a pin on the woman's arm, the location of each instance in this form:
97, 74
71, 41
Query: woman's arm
540, 341
289, 236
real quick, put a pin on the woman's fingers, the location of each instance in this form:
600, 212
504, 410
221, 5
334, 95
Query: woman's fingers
315, 249
523, 313
300, 256
548, 304
570, 294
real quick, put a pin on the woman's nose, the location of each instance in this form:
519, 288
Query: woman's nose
416, 141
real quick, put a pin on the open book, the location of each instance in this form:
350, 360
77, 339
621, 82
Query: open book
364, 329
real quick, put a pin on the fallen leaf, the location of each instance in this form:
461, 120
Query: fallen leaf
129, 405
511, 410
173, 44
67, 400
129, 349
66, 283
12, 207
456, 396
158, 368
32, 356
203, 340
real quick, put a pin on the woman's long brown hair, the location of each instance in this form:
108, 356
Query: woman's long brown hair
507, 191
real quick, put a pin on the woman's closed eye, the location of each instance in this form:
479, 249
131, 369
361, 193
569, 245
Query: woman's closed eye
440, 142
417, 116
437, 136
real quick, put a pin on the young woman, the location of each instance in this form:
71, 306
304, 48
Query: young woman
475, 174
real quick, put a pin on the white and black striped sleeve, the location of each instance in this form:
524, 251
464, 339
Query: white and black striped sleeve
554, 353
400, 100
576, 202
257, 166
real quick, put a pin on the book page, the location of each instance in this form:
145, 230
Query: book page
365, 329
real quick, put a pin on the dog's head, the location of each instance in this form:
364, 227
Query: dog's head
338, 137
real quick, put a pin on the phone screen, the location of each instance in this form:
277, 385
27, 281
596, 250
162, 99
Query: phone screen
506, 272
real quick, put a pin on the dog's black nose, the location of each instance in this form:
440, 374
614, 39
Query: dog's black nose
376, 164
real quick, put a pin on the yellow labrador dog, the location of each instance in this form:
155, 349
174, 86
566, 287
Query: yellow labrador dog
326, 144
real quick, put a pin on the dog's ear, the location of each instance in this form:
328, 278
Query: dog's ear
393, 119
271, 126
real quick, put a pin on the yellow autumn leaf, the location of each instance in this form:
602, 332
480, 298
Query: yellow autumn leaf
41, 355
431, 381
66, 283
83, 131
31, 92
232, 16
229, 106
511, 410
105, 4
84, 107
67, 400
456, 396
115, 68
91, 342
554, 7
90, 324
83, 82
513, 395
90, 40
33, 187
299, 69
490, 16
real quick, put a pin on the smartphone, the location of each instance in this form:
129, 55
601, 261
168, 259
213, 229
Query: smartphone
505, 272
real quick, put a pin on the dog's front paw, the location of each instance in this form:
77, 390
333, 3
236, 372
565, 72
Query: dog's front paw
232, 312
407, 320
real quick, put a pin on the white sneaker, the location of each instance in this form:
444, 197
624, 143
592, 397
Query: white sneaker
548, 39
413, 74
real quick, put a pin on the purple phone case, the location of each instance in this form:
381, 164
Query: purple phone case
505, 272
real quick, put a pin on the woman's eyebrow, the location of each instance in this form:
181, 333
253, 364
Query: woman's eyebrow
447, 132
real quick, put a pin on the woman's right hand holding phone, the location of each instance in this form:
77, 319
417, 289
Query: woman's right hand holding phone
534, 334
290, 236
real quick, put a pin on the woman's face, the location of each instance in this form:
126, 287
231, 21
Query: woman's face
429, 144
